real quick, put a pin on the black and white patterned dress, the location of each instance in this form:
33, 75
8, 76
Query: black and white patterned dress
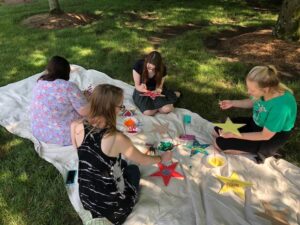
102, 188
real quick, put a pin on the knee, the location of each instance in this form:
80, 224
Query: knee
166, 109
149, 112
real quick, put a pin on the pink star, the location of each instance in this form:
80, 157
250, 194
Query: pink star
166, 172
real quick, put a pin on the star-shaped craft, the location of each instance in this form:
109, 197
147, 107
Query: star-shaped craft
161, 128
153, 95
229, 126
276, 217
166, 172
233, 183
128, 113
196, 144
196, 150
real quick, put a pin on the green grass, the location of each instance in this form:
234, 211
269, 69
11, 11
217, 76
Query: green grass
31, 190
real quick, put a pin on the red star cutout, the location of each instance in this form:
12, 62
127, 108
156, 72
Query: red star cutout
153, 95
166, 172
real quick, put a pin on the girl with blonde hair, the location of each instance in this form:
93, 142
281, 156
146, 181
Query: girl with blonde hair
274, 114
108, 187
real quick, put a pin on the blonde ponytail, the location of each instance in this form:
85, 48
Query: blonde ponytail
267, 76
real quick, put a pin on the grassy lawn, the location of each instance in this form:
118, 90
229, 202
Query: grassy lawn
31, 190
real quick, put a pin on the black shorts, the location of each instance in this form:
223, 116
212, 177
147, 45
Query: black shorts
266, 148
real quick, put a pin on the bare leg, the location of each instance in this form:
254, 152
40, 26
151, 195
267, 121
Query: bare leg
234, 152
150, 112
166, 109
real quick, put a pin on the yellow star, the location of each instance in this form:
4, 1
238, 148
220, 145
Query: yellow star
233, 183
229, 126
276, 217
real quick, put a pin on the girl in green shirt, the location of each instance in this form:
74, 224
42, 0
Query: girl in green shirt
274, 114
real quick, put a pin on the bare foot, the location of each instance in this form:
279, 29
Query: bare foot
177, 93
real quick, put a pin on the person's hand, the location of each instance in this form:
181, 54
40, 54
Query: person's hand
226, 104
158, 90
166, 157
143, 88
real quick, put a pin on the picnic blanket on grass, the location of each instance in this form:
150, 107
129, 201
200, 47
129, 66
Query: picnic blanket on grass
239, 192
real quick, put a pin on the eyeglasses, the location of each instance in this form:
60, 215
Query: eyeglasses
121, 107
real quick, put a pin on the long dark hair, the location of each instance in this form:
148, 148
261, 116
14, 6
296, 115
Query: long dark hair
155, 59
57, 68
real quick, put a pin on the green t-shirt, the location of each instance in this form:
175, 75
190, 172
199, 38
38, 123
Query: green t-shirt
277, 114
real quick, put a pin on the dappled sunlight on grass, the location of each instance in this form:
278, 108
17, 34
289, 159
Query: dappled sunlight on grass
82, 51
13, 72
7, 146
5, 176
32, 191
23, 177
148, 49
37, 58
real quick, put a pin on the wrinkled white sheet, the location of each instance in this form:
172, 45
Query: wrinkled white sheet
274, 197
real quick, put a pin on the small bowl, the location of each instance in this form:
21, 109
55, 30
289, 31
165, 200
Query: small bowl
216, 160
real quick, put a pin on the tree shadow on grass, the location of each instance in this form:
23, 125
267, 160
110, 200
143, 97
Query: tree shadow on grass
33, 190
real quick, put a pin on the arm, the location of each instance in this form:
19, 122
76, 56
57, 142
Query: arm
77, 133
160, 88
84, 111
137, 82
263, 135
227, 104
124, 146
78, 100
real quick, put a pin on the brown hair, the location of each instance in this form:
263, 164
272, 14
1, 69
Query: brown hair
155, 59
267, 76
103, 102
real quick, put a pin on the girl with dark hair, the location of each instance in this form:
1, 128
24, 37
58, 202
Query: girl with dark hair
274, 114
56, 102
149, 75
108, 187
57, 68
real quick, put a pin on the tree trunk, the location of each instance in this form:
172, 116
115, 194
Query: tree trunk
288, 23
54, 7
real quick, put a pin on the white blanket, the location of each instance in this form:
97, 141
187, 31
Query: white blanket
273, 198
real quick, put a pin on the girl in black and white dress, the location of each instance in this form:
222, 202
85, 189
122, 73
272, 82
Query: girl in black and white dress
107, 185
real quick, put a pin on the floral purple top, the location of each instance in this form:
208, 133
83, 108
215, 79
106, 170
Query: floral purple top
54, 106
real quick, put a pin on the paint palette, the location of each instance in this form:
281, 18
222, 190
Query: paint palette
131, 125
216, 160
166, 145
